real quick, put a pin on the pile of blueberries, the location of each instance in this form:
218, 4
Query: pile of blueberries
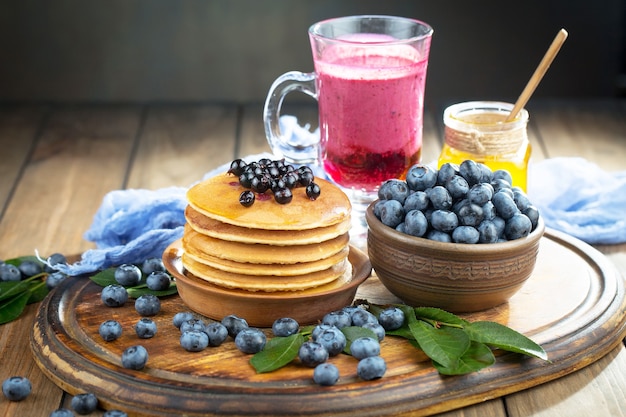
29, 268
275, 176
466, 203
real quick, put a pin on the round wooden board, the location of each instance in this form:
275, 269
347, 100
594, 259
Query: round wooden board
573, 305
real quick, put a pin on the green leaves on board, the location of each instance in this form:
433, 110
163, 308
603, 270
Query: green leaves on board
107, 277
16, 295
455, 346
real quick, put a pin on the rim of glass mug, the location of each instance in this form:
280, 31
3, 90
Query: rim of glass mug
403, 29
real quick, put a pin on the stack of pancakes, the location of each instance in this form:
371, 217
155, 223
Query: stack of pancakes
268, 246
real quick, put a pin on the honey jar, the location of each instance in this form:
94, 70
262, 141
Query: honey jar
478, 130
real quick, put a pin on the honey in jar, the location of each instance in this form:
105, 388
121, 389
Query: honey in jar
478, 130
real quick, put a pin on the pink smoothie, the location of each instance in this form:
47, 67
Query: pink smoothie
371, 110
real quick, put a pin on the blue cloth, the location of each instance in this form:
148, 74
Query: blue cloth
579, 198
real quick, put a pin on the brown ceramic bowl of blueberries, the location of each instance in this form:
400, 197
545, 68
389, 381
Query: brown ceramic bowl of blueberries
460, 237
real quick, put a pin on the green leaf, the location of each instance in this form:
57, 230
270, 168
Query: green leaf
440, 316
135, 292
278, 352
8, 289
475, 358
354, 332
503, 337
444, 345
37, 291
13, 308
105, 277
18, 261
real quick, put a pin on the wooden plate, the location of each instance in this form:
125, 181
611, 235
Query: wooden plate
573, 305
260, 309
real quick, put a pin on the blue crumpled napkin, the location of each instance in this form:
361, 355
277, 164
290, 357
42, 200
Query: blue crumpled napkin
579, 198
572, 194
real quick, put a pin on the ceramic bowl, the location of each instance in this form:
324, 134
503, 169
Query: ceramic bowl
456, 277
260, 308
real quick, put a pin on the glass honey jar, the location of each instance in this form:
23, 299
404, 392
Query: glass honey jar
478, 130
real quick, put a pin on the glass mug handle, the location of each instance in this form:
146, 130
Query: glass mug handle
285, 147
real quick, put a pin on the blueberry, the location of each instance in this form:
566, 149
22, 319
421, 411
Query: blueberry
446, 172
339, 319
217, 333
234, 324
439, 236
439, 197
114, 295
312, 191
194, 340
500, 224
391, 213
151, 265
312, 353
505, 205
181, 317
114, 413
128, 275
471, 171
444, 220
518, 226
192, 324
135, 357
487, 232
391, 318
158, 281
504, 175
333, 340
465, 234
62, 412
458, 187
16, 388
393, 189
283, 196
521, 200
145, 328
416, 201
470, 214
489, 210
54, 259
30, 268
499, 185
532, 213
110, 330
148, 305
415, 223
365, 346
487, 173
401, 228
480, 193
250, 340
326, 374
10, 272
54, 279
84, 403
378, 330
246, 198
370, 368
319, 329
421, 177
361, 316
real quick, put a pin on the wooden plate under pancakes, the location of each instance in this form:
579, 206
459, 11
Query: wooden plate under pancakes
261, 309
225, 231
218, 198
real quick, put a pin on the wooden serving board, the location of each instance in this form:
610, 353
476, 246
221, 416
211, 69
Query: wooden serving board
573, 305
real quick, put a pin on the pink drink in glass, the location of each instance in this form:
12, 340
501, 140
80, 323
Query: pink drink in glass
370, 111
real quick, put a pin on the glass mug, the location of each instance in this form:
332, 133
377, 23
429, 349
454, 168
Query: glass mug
369, 80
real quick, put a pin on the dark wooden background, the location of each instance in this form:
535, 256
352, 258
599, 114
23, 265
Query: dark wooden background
232, 50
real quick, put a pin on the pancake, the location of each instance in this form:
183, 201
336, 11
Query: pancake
247, 268
218, 199
266, 284
225, 231
260, 253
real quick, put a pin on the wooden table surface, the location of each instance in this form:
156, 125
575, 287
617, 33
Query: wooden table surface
59, 161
